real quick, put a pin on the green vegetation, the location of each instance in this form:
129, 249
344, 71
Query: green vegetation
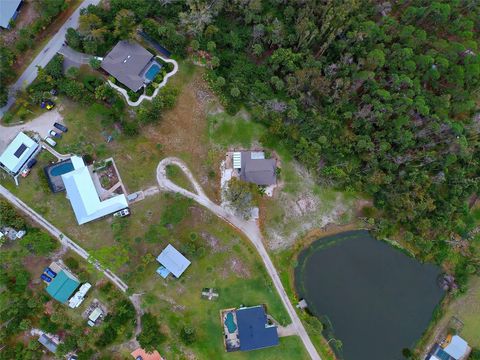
24, 303
175, 174
27, 39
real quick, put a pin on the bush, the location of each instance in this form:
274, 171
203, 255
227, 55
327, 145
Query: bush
188, 335
72, 263
150, 337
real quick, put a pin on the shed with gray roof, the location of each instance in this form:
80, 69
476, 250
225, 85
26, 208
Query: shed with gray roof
127, 62
258, 170
48, 343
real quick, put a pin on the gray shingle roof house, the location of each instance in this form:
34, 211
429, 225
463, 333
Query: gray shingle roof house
8, 11
256, 169
127, 62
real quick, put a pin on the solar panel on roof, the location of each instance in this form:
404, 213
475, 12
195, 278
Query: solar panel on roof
20, 151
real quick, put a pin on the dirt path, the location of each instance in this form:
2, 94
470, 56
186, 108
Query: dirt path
249, 228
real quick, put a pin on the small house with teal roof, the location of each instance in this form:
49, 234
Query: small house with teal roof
63, 286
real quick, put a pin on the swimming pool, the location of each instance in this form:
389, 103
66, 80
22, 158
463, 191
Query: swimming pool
230, 323
152, 72
62, 168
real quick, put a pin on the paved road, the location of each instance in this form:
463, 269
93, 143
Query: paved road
249, 228
45, 55
64, 240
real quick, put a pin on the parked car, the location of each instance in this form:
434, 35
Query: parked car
50, 272
122, 213
50, 141
25, 172
60, 127
46, 278
55, 134
47, 104
31, 163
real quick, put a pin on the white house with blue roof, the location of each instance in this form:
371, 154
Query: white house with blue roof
17, 153
84, 197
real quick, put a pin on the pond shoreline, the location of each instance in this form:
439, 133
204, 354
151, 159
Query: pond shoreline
351, 278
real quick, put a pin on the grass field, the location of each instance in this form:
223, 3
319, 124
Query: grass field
220, 257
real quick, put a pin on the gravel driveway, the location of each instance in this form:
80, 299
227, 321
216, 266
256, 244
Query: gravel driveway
40, 125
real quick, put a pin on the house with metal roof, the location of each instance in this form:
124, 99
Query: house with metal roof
141, 354
48, 343
254, 331
9, 12
455, 348
84, 197
63, 286
172, 261
255, 168
127, 62
17, 154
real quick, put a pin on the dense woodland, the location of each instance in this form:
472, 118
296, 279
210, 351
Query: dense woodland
378, 99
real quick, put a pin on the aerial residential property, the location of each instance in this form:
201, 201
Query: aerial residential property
247, 328
75, 177
131, 64
9, 10
17, 154
453, 348
255, 168
168, 165
63, 286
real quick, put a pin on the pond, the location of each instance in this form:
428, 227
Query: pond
376, 299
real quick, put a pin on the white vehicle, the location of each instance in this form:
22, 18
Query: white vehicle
50, 141
122, 213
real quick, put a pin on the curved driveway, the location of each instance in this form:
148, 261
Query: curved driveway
249, 228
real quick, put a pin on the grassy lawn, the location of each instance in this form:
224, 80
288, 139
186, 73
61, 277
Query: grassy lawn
175, 174
220, 259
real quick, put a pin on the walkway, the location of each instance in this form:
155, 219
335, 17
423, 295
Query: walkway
45, 55
249, 228
155, 93
64, 240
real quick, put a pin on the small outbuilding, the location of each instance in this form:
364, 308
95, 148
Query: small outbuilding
63, 286
47, 343
172, 261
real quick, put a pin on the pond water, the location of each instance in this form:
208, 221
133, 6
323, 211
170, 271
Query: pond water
377, 299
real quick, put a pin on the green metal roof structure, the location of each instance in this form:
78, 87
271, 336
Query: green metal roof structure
62, 286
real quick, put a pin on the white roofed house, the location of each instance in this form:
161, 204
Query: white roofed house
17, 154
84, 198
